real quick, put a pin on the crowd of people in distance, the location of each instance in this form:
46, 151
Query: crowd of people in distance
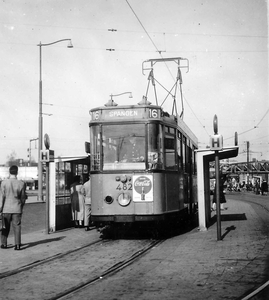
259, 188
232, 185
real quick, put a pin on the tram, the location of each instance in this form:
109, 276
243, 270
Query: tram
143, 166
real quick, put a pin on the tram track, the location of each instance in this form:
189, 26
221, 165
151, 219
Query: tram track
45, 260
116, 268
65, 273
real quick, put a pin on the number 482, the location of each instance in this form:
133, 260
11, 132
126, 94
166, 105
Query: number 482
124, 186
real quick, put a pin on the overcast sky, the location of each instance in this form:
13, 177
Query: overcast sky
225, 41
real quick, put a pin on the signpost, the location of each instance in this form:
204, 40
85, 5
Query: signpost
216, 144
47, 156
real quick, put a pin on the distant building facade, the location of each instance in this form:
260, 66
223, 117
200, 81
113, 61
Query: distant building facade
27, 174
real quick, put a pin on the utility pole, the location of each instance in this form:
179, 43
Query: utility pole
248, 168
248, 154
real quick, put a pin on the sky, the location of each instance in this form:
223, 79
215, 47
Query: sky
225, 42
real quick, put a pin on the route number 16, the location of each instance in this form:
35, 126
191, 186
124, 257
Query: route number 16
153, 113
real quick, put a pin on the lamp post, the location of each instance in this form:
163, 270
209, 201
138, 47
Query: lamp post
40, 123
111, 101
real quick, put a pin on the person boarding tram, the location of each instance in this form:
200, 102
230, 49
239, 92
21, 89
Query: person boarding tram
86, 192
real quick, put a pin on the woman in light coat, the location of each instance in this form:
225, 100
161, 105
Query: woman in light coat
77, 202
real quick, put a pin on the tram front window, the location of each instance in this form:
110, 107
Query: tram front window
123, 146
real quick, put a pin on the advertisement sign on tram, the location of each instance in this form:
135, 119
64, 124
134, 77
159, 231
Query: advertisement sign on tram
142, 188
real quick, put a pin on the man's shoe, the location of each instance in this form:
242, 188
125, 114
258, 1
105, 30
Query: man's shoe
3, 246
17, 247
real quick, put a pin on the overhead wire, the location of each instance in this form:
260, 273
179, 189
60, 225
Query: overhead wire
162, 57
203, 126
262, 118
255, 127
135, 31
144, 28
160, 52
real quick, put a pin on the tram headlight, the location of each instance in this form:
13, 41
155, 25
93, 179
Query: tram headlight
109, 199
124, 199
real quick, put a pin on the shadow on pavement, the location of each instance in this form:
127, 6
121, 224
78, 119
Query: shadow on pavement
229, 217
227, 230
46, 241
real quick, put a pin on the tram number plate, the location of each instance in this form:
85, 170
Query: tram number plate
125, 187
154, 113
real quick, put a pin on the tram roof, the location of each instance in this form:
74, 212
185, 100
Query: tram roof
132, 106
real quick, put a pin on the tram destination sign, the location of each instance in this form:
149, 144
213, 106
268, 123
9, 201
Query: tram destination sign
125, 114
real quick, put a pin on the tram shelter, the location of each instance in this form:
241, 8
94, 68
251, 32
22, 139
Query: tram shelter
61, 174
204, 157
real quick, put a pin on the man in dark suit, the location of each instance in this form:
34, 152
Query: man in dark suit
12, 199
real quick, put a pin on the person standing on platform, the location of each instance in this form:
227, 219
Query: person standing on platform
264, 187
77, 202
221, 194
12, 199
86, 191
257, 187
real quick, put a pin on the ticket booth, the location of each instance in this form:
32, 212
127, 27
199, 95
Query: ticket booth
61, 174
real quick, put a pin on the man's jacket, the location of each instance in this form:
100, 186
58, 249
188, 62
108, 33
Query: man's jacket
13, 196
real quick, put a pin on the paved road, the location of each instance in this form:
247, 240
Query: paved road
33, 218
189, 266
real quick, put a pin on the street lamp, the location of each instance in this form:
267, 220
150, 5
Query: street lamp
40, 124
111, 101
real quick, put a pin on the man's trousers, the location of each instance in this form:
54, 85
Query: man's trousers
15, 221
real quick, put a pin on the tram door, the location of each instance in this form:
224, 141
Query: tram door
174, 180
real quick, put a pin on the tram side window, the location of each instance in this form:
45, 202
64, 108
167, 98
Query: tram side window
184, 145
155, 150
95, 148
179, 150
194, 161
188, 159
170, 149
